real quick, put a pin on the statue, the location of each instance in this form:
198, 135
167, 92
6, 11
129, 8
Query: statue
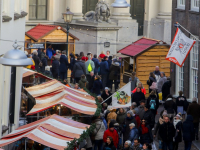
101, 13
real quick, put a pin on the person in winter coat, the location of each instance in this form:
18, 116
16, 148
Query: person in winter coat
152, 79
48, 72
104, 71
134, 80
36, 60
112, 133
106, 94
137, 145
78, 69
137, 118
181, 104
157, 71
140, 85
102, 55
88, 63
90, 80
83, 82
129, 119
63, 66
44, 63
99, 132
96, 64
71, 65
97, 86
178, 127
149, 117
55, 67
194, 111
146, 146
137, 97
50, 52
58, 55
167, 132
141, 110
157, 128
145, 133
127, 145
170, 106
109, 61
114, 73
133, 133
112, 115
161, 81
121, 116
109, 144
42, 54
166, 89
153, 102
188, 132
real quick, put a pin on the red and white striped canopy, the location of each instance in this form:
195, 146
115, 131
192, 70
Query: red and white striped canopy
53, 131
53, 93
28, 72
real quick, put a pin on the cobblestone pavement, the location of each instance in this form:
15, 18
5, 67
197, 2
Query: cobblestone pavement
181, 145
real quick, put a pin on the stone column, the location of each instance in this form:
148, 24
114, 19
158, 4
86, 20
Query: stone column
165, 9
121, 13
76, 7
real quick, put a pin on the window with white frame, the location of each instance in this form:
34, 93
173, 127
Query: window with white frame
194, 71
195, 5
181, 4
179, 78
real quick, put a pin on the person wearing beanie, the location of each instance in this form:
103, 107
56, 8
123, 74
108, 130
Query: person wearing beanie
112, 133
130, 118
148, 116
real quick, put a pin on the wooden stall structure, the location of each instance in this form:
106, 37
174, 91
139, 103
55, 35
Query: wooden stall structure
142, 57
41, 36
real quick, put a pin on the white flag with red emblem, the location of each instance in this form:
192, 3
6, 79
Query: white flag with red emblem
180, 48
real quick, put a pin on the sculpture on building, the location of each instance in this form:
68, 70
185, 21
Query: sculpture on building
101, 13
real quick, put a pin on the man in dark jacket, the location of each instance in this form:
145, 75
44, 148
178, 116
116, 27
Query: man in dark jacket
167, 132
188, 132
137, 96
114, 75
149, 117
194, 111
166, 89
90, 80
36, 60
109, 61
63, 66
44, 63
55, 67
104, 71
96, 64
78, 69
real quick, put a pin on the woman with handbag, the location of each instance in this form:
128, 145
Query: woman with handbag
152, 82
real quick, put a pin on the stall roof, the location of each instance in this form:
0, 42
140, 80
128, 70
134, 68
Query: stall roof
53, 131
41, 30
28, 72
138, 47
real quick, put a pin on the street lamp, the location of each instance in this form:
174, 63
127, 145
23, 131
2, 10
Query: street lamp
14, 58
120, 4
68, 16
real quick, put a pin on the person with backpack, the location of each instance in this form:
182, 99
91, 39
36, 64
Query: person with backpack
152, 82
134, 81
89, 66
153, 102
133, 133
182, 104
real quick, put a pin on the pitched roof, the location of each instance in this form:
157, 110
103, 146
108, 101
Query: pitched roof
138, 47
41, 30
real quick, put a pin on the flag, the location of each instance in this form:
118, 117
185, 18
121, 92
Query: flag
180, 48
122, 98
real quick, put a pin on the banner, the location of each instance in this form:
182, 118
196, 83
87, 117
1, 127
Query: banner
180, 48
122, 98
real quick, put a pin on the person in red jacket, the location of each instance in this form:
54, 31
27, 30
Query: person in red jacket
137, 118
112, 133
140, 85
102, 55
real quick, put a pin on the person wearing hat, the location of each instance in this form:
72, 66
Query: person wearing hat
106, 94
104, 71
148, 116
160, 122
194, 111
141, 110
114, 75
178, 125
130, 118
133, 133
112, 133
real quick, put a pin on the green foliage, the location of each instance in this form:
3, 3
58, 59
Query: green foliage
117, 95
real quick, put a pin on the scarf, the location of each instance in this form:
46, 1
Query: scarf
144, 129
161, 120
176, 122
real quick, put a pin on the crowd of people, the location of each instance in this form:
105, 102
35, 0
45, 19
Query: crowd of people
134, 127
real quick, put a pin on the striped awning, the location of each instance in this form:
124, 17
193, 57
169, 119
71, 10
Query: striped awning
53, 93
28, 72
53, 131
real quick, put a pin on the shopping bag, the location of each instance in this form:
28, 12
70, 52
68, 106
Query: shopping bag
154, 146
160, 96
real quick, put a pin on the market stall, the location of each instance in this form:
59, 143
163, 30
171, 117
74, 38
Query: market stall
142, 57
